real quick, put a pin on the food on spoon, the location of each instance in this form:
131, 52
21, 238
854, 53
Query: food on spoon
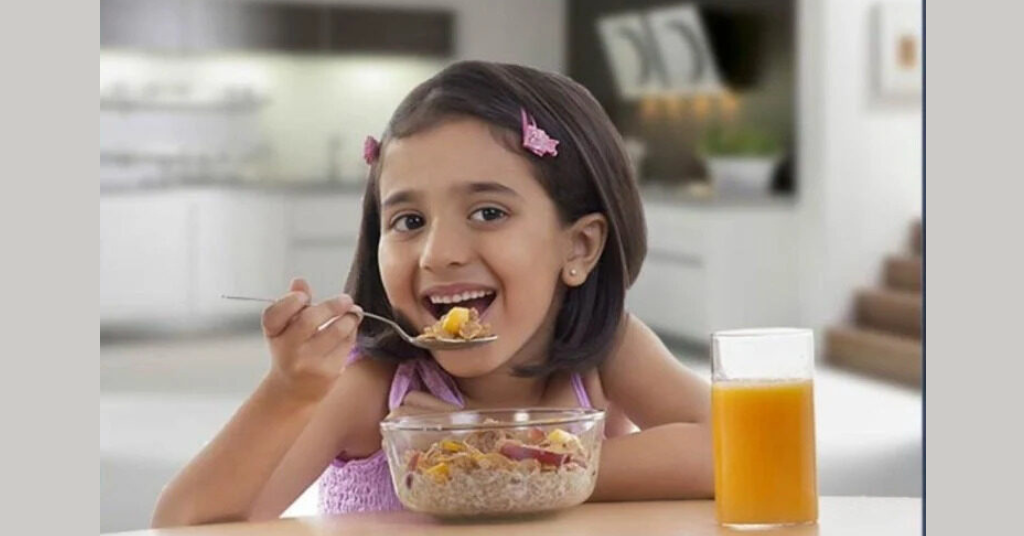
459, 323
453, 321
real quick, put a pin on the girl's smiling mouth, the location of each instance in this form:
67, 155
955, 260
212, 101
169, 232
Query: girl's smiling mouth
440, 299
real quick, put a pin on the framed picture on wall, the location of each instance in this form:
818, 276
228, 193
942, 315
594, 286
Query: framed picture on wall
684, 50
898, 50
632, 54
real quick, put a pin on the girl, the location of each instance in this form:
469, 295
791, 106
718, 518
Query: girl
496, 187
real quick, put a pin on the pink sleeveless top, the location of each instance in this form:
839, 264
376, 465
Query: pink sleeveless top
359, 485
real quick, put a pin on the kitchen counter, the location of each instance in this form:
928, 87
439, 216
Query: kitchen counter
653, 194
838, 516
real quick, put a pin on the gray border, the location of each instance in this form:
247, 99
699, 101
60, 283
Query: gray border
974, 266
50, 269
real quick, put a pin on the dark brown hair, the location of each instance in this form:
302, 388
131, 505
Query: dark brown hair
590, 174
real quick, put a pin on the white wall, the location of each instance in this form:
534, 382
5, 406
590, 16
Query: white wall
861, 165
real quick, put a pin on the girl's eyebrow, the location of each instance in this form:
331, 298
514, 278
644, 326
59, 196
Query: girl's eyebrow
488, 187
401, 196
406, 196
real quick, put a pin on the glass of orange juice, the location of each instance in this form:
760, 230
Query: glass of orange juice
762, 407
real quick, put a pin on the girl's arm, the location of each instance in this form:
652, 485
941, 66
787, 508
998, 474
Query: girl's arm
670, 458
273, 449
224, 480
347, 421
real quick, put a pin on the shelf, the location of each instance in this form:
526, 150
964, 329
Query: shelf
206, 105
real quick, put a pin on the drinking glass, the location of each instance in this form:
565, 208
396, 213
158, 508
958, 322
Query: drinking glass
762, 406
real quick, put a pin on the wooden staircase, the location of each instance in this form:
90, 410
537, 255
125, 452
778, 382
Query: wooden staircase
886, 338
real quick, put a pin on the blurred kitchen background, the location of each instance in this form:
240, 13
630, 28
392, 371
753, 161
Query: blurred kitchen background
777, 143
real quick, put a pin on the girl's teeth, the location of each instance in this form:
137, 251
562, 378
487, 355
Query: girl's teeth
458, 298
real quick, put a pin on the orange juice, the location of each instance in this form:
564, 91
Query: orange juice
765, 470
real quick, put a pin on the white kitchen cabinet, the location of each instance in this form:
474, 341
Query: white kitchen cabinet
323, 231
146, 255
240, 249
166, 256
752, 268
324, 217
670, 297
324, 267
712, 267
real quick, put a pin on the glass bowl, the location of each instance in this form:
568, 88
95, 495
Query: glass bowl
494, 462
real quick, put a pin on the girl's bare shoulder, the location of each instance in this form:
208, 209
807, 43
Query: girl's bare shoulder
644, 378
635, 346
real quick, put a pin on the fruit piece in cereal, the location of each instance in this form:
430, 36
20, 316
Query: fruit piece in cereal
448, 445
454, 319
517, 451
438, 472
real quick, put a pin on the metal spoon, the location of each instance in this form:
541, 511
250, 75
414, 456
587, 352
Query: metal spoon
426, 344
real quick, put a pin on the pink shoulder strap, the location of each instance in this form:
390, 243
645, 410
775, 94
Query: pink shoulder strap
353, 356
581, 391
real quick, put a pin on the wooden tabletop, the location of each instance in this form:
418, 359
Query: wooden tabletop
838, 516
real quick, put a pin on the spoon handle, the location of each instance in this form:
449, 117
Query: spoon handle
387, 321
429, 344
247, 298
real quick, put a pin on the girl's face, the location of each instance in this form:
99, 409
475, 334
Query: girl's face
464, 222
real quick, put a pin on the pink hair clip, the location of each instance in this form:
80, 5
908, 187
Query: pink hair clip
371, 150
535, 139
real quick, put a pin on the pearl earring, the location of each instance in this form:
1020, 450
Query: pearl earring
572, 272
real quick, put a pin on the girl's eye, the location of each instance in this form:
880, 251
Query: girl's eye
488, 214
407, 222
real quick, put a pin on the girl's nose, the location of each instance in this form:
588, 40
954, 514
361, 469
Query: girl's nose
446, 247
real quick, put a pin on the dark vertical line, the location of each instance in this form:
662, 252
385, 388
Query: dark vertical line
924, 272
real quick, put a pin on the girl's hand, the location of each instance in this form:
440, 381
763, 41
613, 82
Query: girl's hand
309, 343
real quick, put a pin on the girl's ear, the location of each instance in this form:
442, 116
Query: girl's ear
586, 238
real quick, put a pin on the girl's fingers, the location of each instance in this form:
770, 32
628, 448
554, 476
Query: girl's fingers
301, 285
338, 357
276, 316
311, 318
335, 333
